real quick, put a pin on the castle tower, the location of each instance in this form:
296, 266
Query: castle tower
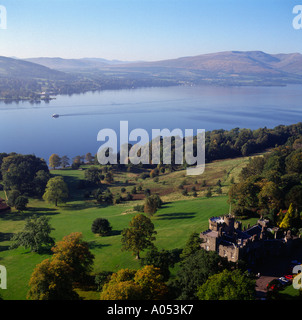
229, 223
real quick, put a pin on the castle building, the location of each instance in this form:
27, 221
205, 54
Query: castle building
227, 237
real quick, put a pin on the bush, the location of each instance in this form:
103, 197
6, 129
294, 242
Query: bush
102, 278
144, 176
138, 208
101, 226
184, 192
147, 192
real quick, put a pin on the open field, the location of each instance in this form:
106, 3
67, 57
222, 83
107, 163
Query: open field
174, 222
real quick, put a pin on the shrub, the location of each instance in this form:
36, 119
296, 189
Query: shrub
138, 208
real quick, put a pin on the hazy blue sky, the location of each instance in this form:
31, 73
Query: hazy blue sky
146, 29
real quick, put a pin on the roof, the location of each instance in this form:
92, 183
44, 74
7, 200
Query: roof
211, 233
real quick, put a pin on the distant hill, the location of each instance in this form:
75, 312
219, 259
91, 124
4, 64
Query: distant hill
73, 65
16, 68
26, 79
233, 62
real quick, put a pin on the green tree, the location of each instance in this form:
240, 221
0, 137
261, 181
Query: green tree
12, 197
162, 259
228, 285
192, 245
56, 191
21, 203
93, 175
40, 181
152, 203
19, 172
139, 236
101, 226
195, 270
54, 161
35, 234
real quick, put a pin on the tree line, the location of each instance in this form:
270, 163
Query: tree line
271, 185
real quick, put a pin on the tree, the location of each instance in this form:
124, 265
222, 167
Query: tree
65, 161
40, 182
195, 270
152, 203
20, 203
54, 161
192, 245
19, 172
163, 259
143, 284
35, 234
51, 280
269, 196
12, 197
75, 252
56, 190
287, 221
150, 280
101, 226
93, 175
228, 285
139, 236
209, 193
89, 158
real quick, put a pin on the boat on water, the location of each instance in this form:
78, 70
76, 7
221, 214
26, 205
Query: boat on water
55, 115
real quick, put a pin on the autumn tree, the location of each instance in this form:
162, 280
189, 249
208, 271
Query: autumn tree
54, 161
287, 220
75, 252
51, 280
139, 236
150, 279
56, 190
144, 284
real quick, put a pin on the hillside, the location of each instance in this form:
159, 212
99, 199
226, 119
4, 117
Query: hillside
174, 222
69, 76
250, 63
15, 68
75, 65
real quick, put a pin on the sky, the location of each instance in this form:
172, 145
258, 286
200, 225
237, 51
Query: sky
146, 29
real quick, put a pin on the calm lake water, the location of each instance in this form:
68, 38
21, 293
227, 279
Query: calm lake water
29, 128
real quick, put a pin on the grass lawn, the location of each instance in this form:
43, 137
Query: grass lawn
174, 222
